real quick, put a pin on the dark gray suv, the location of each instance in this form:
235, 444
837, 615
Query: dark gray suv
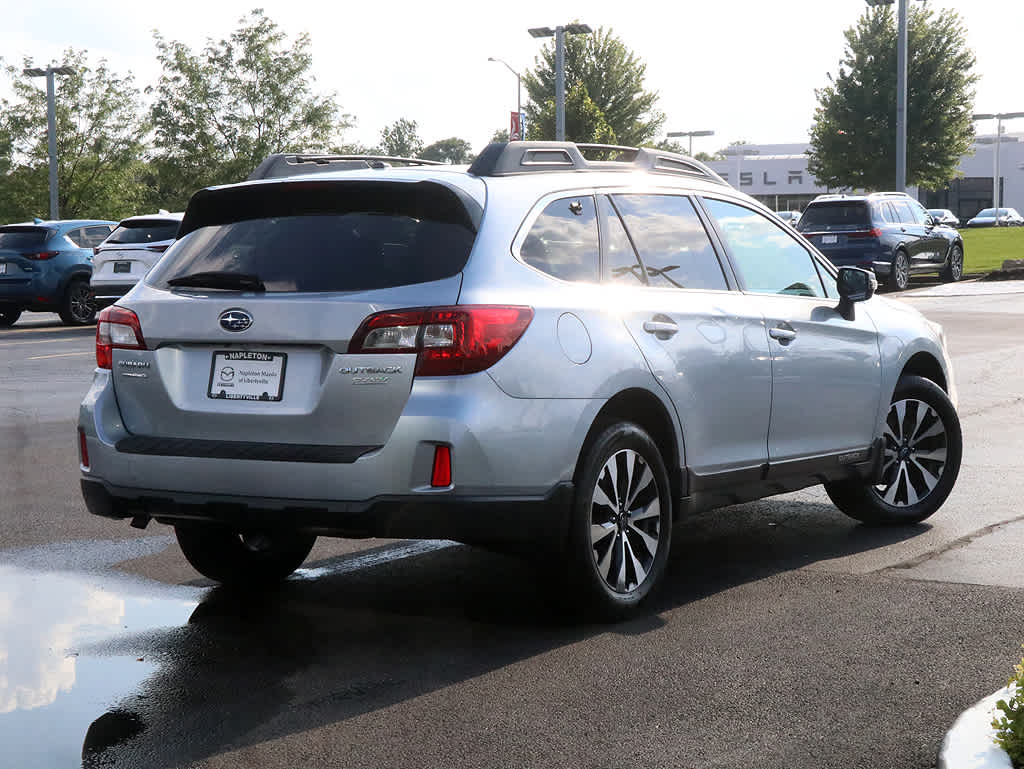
544, 352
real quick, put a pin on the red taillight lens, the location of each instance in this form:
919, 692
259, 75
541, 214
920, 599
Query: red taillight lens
448, 340
116, 328
157, 249
441, 476
83, 449
42, 256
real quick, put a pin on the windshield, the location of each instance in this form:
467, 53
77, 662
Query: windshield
144, 232
22, 238
992, 212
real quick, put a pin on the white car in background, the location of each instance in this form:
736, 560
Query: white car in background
129, 252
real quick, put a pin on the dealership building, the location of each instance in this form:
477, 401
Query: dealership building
777, 175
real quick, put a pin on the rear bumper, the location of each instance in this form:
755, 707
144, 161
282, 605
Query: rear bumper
109, 291
472, 519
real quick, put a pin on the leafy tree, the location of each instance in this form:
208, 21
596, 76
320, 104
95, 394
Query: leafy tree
599, 67
217, 114
99, 143
584, 120
400, 139
453, 150
501, 135
853, 139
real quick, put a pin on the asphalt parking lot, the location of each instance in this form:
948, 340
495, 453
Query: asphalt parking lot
787, 636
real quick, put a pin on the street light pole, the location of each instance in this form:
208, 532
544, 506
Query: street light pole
559, 33
51, 126
691, 134
519, 92
999, 118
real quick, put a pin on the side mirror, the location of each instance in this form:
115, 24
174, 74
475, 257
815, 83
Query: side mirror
854, 285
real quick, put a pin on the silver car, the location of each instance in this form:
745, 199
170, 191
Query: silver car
542, 352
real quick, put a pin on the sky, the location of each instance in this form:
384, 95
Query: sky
746, 70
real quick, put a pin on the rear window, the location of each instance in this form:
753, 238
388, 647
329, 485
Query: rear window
18, 238
324, 237
143, 232
835, 216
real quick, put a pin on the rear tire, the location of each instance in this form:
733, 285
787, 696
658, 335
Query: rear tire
77, 307
921, 459
250, 559
953, 271
621, 522
9, 317
899, 278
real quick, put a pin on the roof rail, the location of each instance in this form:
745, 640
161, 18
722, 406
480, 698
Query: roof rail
295, 163
513, 158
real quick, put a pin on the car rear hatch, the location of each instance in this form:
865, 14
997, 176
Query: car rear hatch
247, 320
842, 230
22, 248
132, 249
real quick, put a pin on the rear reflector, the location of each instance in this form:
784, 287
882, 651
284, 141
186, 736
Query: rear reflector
442, 473
83, 449
462, 339
116, 329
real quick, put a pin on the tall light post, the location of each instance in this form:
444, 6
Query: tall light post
559, 33
691, 134
519, 92
51, 125
901, 91
999, 118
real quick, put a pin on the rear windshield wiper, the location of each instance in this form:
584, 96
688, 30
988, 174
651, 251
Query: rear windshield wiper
230, 281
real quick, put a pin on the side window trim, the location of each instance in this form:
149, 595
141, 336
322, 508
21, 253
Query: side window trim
799, 240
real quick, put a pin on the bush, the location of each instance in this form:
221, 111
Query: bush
1010, 725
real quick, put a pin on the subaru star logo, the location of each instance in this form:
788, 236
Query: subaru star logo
235, 320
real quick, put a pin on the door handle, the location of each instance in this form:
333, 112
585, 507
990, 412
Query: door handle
660, 327
783, 335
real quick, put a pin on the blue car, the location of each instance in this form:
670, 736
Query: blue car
45, 267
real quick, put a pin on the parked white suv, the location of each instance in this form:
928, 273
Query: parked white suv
129, 252
563, 354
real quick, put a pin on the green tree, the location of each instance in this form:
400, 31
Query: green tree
584, 120
217, 114
853, 139
610, 76
99, 143
452, 150
400, 139
501, 135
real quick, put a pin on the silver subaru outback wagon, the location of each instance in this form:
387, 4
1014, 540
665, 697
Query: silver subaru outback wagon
544, 351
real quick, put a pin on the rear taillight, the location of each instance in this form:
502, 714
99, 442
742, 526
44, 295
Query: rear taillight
42, 256
448, 340
158, 249
873, 233
116, 328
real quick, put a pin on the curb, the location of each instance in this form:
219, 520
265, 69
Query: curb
969, 742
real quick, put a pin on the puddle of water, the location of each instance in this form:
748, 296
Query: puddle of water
53, 682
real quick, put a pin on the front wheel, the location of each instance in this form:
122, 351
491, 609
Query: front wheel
243, 559
77, 308
900, 276
621, 525
955, 269
921, 459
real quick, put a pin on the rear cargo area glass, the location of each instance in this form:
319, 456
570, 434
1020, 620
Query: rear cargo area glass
835, 216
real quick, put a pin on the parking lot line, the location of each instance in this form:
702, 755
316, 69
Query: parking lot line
61, 355
34, 341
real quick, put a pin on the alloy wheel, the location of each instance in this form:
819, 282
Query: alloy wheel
80, 303
914, 455
901, 268
625, 522
956, 263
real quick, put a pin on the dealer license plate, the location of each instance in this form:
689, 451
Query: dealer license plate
828, 240
247, 375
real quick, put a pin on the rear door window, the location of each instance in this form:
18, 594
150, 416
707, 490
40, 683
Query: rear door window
324, 236
621, 265
563, 242
671, 241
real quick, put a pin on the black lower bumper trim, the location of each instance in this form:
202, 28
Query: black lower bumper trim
484, 520
211, 449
